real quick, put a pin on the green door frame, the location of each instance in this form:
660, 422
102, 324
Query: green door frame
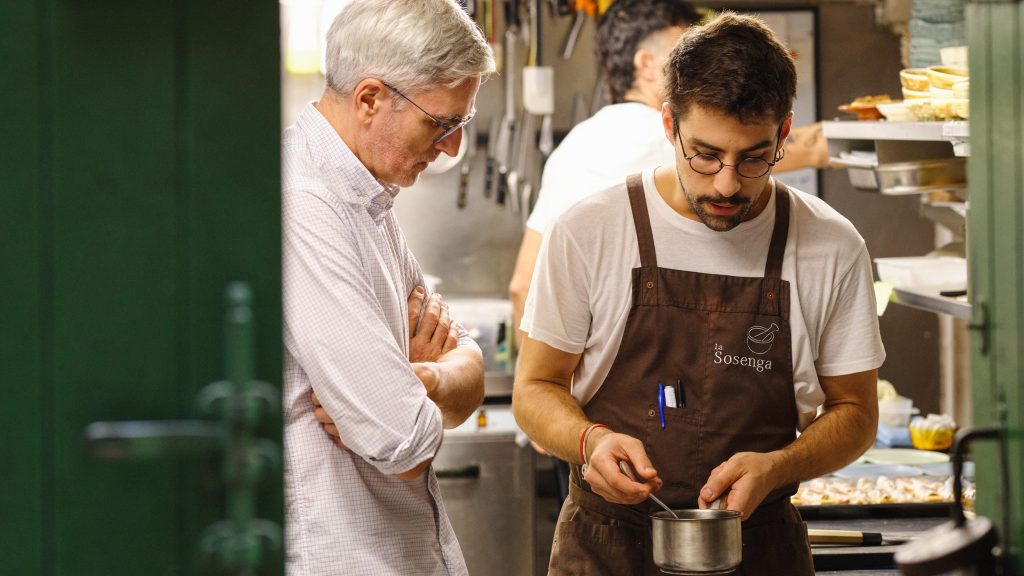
995, 32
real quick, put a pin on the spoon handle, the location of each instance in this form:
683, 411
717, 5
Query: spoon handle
627, 470
662, 504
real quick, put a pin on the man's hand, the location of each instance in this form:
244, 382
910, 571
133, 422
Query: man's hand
429, 374
434, 334
745, 479
321, 416
607, 449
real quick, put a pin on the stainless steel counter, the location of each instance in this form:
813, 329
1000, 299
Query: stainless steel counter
487, 482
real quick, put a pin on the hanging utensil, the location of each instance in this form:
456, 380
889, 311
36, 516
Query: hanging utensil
527, 193
574, 34
469, 134
491, 163
518, 179
503, 150
543, 91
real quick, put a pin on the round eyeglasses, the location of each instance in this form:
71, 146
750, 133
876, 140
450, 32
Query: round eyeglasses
447, 128
709, 165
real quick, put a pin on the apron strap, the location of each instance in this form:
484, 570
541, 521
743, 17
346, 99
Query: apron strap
773, 266
641, 221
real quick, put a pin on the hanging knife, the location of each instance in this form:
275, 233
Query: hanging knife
504, 148
492, 139
469, 133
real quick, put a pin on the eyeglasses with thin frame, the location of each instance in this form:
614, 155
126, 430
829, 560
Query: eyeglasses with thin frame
447, 128
710, 165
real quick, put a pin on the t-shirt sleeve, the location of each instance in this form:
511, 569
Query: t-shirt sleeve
558, 306
850, 341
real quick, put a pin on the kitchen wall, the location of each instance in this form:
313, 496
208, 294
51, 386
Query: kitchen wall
473, 250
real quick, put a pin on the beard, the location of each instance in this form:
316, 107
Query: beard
718, 223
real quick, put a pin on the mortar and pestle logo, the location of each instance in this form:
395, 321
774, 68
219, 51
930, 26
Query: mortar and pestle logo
759, 338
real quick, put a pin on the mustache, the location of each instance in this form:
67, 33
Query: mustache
734, 201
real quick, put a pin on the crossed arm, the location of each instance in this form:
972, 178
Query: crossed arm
452, 376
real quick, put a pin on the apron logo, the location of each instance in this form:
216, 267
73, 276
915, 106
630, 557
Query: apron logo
756, 364
759, 338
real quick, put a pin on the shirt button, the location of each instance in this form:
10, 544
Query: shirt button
650, 413
650, 284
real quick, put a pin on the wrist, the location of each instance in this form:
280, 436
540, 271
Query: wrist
587, 440
780, 468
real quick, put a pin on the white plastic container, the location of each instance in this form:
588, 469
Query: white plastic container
933, 271
896, 412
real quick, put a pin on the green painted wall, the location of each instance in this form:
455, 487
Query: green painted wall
139, 157
23, 431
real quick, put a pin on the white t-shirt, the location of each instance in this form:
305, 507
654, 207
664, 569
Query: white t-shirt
621, 139
580, 296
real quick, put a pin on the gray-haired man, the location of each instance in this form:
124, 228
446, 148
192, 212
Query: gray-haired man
402, 80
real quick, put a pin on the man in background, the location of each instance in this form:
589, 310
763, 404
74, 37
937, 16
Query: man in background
634, 38
402, 80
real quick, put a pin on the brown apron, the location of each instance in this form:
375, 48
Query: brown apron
725, 342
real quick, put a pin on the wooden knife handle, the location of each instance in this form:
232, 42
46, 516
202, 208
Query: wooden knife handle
817, 536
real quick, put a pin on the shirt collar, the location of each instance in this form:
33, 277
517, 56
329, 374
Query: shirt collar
347, 176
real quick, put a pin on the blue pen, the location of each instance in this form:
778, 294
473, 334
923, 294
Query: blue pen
661, 403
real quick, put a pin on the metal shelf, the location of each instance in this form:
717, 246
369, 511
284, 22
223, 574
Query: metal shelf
932, 301
882, 130
956, 133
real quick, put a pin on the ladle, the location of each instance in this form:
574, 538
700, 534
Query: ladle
628, 471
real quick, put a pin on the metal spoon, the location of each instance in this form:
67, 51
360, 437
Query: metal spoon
627, 469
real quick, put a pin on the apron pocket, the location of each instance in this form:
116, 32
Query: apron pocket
594, 545
675, 452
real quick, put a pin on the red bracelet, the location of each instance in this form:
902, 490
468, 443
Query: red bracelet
583, 439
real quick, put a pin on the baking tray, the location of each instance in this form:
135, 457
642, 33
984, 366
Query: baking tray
894, 510
922, 176
902, 178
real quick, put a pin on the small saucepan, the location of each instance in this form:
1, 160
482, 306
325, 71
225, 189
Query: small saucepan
693, 541
696, 542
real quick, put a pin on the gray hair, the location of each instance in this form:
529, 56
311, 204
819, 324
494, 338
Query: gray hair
413, 44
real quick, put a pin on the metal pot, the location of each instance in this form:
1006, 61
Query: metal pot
704, 542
